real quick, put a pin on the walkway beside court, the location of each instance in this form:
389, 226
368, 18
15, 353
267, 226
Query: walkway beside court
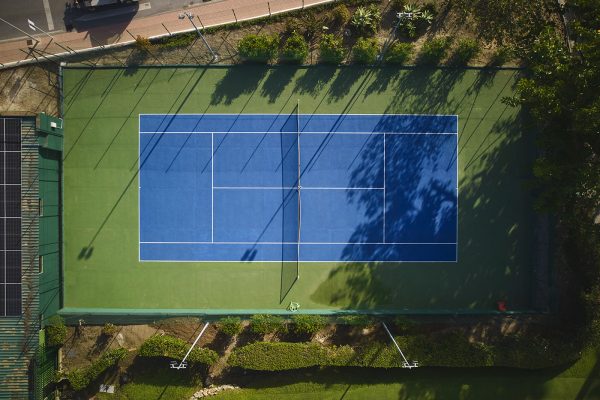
23, 51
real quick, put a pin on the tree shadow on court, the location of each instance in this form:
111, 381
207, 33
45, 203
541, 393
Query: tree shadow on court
176, 106
238, 80
314, 79
278, 78
495, 219
425, 89
345, 79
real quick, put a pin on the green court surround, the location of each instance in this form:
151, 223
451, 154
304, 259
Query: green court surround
496, 222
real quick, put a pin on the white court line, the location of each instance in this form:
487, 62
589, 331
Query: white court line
311, 115
278, 262
139, 191
295, 133
384, 188
48, 15
457, 208
212, 187
4, 210
291, 188
303, 243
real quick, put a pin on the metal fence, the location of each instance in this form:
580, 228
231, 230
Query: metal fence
67, 45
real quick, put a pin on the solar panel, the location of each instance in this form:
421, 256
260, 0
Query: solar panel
10, 217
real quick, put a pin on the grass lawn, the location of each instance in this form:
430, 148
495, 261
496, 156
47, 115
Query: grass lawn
101, 268
150, 382
580, 381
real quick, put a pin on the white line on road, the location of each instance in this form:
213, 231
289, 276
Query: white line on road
48, 15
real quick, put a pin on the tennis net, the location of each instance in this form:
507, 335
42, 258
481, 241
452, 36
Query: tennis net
298, 186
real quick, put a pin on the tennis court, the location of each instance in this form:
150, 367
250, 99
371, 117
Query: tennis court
289, 187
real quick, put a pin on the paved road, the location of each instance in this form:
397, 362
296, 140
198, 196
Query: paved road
57, 15
45, 13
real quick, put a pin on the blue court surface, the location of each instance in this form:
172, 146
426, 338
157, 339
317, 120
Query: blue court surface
297, 187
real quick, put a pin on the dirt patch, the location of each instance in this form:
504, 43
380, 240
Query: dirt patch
183, 328
86, 343
31, 89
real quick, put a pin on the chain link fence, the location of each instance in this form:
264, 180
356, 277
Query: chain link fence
112, 45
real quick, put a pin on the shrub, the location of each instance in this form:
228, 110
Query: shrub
356, 320
404, 324
399, 53
398, 5
109, 329
80, 378
452, 349
292, 25
466, 50
181, 40
56, 331
308, 324
331, 49
175, 348
534, 352
434, 50
417, 25
280, 356
295, 49
143, 43
340, 15
365, 51
501, 56
261, 324
365, 20
444, 349
448, 349
230, 326
431, 7
260, 48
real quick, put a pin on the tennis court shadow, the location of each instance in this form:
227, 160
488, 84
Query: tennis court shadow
495, 221
238, 80
289, 276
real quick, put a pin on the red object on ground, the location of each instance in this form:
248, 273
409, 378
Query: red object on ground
501, 306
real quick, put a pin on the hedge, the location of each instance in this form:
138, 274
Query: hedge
434, 50
175, 348
365, 51
56, 331
308, 324
331, 49
230, 326
450, 349
258, 48
80, 378
465, 51
262, 324
399, 53
279, 356
295, 49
